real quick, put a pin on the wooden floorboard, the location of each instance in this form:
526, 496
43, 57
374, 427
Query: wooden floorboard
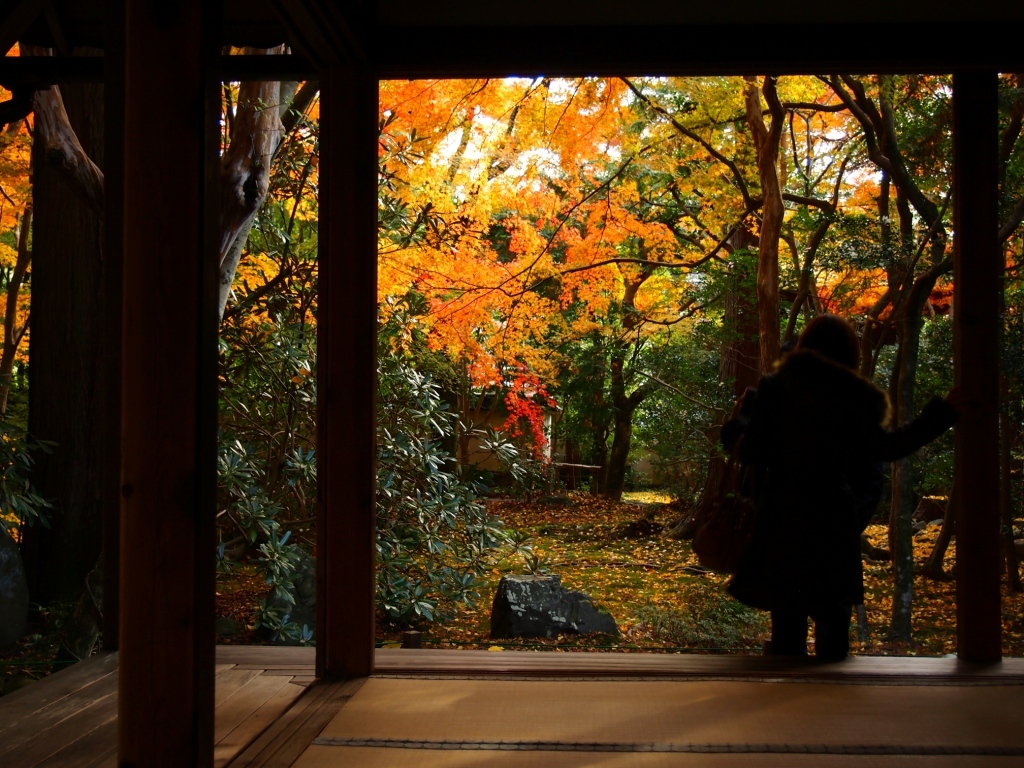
65, 735
280, 745
36, 697
56, 718
231, 681
236, 708
95, 748
70, 719
266, 656
252, 726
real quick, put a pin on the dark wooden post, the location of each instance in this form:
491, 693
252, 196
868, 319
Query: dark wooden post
113, 244
976, 364
346, 374
168, 470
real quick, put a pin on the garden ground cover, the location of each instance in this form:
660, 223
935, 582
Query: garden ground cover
618, 553
653, 586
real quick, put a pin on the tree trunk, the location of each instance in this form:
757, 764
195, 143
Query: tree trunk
618, 457
766, 140
245, 170
598, 457
66, 383
901, 542
933, 569
622, 425
1006, 489
594, 445
900, 527
60, 147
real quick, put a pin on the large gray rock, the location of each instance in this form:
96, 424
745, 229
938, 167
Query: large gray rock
13, 592
539, 606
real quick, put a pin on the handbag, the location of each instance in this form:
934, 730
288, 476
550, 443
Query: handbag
726, 525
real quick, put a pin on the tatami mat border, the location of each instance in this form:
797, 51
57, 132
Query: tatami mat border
914, 750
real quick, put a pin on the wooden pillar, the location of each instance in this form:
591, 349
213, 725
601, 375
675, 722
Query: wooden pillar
346, 372
168, 470
976, 364
113, 244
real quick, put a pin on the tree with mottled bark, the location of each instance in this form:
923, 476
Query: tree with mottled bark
766, 142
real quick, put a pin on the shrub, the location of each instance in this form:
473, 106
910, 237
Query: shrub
434, 534
20, 505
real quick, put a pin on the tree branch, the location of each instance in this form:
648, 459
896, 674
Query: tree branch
1009, 135
1012, 222
730, 164
13, 333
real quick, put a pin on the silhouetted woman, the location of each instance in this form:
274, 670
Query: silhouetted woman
816, 430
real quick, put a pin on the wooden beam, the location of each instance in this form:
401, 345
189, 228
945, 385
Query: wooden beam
620, 15
168, 476
976, 303
263, 68
327, 33
18, 16
522, 50
691, 49
44, 71
346, 373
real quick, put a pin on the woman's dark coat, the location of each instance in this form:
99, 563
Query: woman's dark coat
815, 428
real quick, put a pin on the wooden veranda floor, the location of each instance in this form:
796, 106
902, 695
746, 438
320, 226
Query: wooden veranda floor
443, 709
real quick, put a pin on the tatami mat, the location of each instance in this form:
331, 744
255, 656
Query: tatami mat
366, 757
453, 723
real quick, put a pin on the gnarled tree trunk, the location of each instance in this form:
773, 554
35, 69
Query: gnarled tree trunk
66, 390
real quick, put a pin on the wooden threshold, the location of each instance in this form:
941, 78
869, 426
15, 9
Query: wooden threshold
873, 669
395, 661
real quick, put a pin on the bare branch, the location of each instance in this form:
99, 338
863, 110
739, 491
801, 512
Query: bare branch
678, 391
813, 107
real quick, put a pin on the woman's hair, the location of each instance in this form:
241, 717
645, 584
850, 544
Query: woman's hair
833, 337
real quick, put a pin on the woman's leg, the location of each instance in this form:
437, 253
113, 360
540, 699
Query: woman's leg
831, 631
789, 632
